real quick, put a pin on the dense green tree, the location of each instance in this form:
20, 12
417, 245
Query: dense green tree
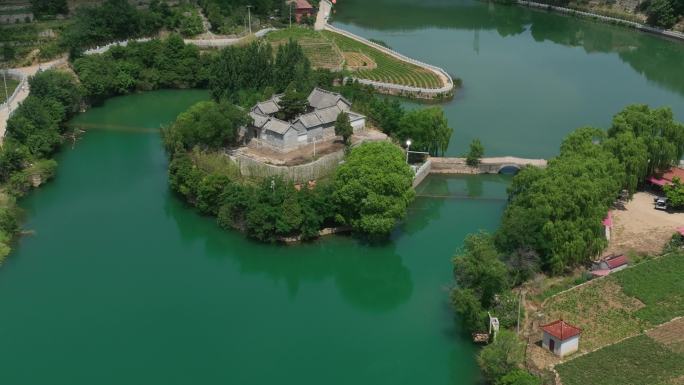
206, 124
502, 356
184, 176
663, 136
632, 153
427, 128
191, 24
661, 14
210, 193
373, 188
60, 86
344, 128
291, 66
13, 158
675, 194
467, 305
478, 267
475, 153
292, 104
240, 68
45, 8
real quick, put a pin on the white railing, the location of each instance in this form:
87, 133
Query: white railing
633, 24
202, 43
442, 74
22, 83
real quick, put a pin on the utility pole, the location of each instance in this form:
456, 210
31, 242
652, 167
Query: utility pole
249, 17
290, 14
517, 327
4, 79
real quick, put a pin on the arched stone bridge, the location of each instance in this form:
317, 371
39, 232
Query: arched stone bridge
495, 165
486, 166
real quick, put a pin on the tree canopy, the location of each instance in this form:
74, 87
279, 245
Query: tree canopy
373, 188
427, 128
206, 124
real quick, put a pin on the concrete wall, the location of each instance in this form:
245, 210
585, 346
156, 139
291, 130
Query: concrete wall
422, 172
302, 173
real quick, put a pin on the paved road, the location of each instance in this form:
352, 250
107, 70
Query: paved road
23, 91
324, 9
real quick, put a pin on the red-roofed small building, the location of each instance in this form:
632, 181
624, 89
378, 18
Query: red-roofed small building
300, 9
609, 264
561, 338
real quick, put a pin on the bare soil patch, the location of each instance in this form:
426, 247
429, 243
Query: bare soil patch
670, 334
355, 61
642, 229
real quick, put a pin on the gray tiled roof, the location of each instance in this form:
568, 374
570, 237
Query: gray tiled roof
278, 126
310, 120
259, 120
328, 115
268, 107
319, 98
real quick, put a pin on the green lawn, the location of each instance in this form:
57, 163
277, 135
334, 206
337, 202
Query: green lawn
659, 284
638, 360
11, 85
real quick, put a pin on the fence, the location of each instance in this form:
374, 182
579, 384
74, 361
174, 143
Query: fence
401, 88
570, 11
22, 83
301, 173
202, 43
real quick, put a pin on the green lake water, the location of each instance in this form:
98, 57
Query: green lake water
121, 283
529, 77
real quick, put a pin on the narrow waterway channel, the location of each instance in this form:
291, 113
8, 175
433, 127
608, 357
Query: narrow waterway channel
122, 284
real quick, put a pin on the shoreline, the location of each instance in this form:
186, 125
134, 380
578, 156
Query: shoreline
668, 34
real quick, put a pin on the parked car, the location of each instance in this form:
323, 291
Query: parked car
660, 203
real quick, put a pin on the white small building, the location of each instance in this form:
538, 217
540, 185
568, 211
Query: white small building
561, 338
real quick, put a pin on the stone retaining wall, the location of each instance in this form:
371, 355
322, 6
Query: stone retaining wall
317, 169
632, 24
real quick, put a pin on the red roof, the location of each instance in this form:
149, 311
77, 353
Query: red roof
680, 230
674, 172
302, 4
561, 330
668, 176
616, 261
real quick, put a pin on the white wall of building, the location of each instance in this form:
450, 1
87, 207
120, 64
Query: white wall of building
563, 348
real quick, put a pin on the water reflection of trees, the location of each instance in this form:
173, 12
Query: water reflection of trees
658, 59
371, 278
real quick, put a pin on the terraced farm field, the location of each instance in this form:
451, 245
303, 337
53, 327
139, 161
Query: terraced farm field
321, 52
624, 303
389, 69
328, 49
639, 360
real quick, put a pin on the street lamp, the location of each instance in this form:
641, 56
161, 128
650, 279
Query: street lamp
408, 148
249, 16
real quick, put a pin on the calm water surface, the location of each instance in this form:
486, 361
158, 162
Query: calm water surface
529, 77
123, 284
